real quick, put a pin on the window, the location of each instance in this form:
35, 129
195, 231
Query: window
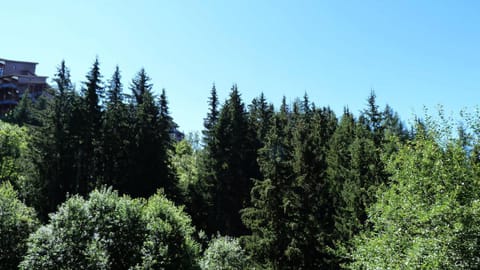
1, 71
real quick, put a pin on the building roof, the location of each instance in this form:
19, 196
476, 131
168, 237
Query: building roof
3, 60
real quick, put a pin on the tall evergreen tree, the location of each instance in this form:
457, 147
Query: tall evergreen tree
291, 211
56, 141
234, 165
344, 189
313, 215
140, 85
90, 152
204, 189
273, 198
116, 135
167, 129
211, 120
374, 119
260, 117
151, 168
24, 111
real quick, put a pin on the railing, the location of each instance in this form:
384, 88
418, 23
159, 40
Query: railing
8, 102
8, 85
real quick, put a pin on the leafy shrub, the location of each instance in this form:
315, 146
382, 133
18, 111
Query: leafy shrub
17, 221
169, 243
109, 231
429, 217
16, 163
224, 253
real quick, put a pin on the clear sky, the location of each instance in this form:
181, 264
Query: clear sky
412, 53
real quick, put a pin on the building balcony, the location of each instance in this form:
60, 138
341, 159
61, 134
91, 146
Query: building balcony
8, 85
8, 102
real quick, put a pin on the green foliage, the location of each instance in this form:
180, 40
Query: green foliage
58, 143
112, 232
14, 142
187, 162
105, 230
230, 163
291, 212
169, 242
428, 217
24, 112
212, 117
87, 142
117, 138
17, 163
224, 253
17, 221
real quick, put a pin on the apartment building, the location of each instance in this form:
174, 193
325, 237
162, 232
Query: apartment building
16, 77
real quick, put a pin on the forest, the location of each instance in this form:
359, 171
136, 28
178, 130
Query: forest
98, 178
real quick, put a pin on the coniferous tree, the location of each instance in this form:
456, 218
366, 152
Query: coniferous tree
203, 213
24, 112
273, 197
374, 119
167, 130
144, 181
90, 152
210, 121
260, 117
56, 141
233, 167
291, 211
151, 165
140, 85
344, 189
313, 214
116, 135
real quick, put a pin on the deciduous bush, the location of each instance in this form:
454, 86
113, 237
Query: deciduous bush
224, 253
17, 221
108, 231
428, 217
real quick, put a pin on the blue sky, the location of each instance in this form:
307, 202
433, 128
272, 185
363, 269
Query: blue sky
412, 53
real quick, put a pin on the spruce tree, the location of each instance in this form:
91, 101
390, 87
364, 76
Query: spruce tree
313, 214
116, 135
57, 143
167, 129
234, 165
343, 187
273, 197
152, 142
140, 85
211, 120
260, 117
90, 151
23, 114
374, 118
